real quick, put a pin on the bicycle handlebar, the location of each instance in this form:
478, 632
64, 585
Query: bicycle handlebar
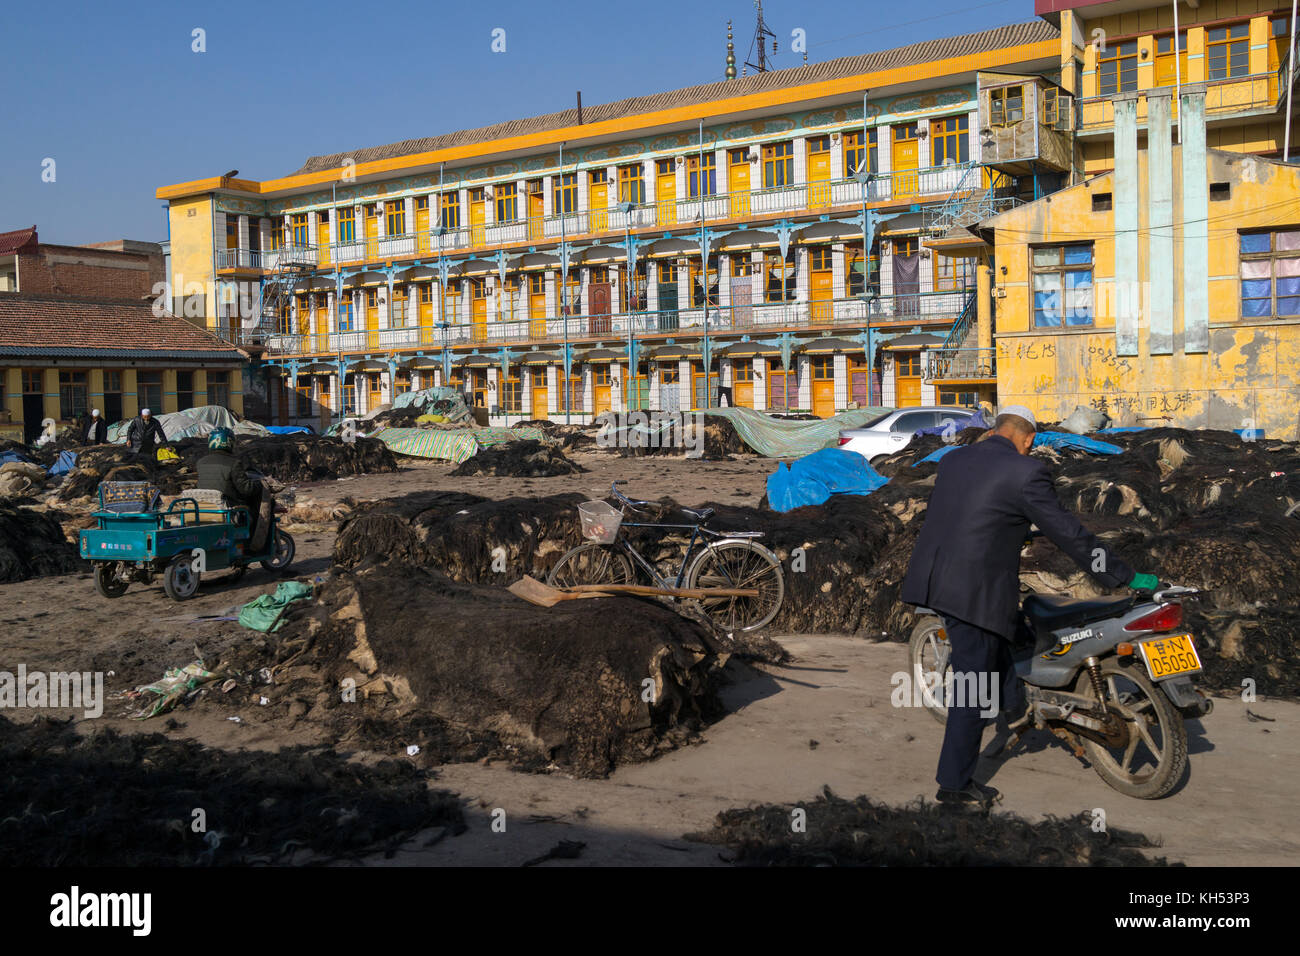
624, 498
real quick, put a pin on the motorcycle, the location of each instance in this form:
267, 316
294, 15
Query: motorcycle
1112, 677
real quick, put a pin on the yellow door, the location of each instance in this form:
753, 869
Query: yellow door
823, 385
232, 235
376, 396
304, 320
905, 159
907, 379
325, 412
819, 172
600, 388
738, 182
322, 328
477, 216
821, 285
372, 319
372, 234
422, 241
537, 305
666, 192
323, 242
598, 201
742, 383
427, 328
536, 213
539, 409
478, 310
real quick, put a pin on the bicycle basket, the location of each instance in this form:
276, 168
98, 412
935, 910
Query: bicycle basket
600, 521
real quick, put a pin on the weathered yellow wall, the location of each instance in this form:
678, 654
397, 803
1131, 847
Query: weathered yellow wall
191, 246
1249, 378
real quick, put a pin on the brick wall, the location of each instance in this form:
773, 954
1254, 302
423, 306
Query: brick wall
90, 273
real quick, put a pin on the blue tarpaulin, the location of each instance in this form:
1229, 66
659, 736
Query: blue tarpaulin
1066, 440
936, 454
1119, 430
1051, 439
8, 456
66, 461
814, 478
288, 429
953, 426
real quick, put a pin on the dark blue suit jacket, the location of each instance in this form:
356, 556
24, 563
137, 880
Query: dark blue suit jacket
966, 562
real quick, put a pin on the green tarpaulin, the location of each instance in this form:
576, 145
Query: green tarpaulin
266, 612
453, 445
784, 438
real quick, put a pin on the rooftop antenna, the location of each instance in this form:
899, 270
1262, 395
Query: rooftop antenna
761, 33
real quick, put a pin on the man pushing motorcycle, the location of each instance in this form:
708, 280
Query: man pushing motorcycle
966, 567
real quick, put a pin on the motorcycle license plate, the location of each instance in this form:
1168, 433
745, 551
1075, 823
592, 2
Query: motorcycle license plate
1170, 655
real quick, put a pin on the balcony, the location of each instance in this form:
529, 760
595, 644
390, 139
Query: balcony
961, 365
936, 308
1238, 95
742, 208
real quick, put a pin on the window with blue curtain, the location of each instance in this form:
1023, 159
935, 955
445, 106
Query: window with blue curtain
1062, 282
345, 315
1270, 274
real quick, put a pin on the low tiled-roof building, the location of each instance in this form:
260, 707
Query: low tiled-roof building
63, 355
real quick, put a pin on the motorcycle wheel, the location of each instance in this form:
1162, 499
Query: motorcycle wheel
1152, 760
108, 580
930, 653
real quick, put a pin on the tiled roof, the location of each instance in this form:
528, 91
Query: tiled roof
48, 325
1016, 34
11, 242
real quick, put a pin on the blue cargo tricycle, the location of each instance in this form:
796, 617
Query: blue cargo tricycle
134, 540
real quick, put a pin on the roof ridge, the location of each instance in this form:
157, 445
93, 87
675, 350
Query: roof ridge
922, 50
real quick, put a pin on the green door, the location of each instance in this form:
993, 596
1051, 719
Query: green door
667, 306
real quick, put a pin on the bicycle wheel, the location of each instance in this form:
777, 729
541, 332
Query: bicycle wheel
591, 564
739, 564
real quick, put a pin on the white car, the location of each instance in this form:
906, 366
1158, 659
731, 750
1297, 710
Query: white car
892, 431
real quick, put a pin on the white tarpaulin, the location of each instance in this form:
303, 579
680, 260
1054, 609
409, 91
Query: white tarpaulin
193, 422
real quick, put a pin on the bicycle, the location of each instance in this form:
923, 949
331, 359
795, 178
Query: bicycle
713, 559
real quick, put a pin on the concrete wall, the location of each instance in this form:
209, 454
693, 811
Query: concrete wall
1249, 376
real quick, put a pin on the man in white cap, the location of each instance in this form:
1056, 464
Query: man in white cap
96, 430
966, 566
144, 434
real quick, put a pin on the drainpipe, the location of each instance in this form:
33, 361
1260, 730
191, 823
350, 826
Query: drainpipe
1178, 74
984, 307
704, 267
1290, 72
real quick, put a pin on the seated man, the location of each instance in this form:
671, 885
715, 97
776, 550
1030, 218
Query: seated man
220, 470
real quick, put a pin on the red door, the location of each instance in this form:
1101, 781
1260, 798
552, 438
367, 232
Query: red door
598, 299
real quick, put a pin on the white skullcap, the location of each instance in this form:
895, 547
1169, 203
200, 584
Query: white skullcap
1020, 411
94, 413
145, 411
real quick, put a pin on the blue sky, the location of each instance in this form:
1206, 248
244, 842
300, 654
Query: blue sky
114, 94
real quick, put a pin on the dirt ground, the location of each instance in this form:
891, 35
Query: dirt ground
824, 719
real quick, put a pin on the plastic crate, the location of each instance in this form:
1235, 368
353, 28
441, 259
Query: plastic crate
600, 521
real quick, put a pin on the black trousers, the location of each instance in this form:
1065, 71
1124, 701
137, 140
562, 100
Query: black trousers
985, 677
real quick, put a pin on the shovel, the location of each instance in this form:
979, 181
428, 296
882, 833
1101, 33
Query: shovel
543, 595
